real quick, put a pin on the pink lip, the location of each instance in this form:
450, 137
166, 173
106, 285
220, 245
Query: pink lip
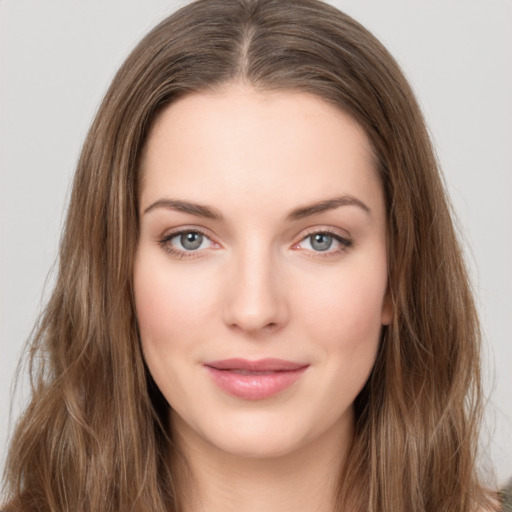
254, 380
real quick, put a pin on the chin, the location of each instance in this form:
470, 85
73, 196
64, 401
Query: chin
263, 445
258, 434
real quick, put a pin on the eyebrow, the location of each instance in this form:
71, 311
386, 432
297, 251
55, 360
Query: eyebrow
186, 207
328, 204
301, 212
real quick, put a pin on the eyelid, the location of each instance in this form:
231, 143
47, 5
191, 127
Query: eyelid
341, 233
345, 240
164, 239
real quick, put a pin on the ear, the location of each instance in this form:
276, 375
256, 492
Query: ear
387, 309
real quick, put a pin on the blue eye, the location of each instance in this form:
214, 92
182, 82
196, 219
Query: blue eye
190, 241
324, 241
321, 241
183, 243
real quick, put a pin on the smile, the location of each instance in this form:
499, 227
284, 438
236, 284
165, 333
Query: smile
254, 380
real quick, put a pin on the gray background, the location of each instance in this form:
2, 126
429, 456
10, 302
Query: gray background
58, 57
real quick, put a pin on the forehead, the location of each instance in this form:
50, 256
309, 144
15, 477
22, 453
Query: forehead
239, 142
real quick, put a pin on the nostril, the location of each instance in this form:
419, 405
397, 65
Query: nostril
253, 301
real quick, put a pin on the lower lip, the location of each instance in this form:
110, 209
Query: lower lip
255, 386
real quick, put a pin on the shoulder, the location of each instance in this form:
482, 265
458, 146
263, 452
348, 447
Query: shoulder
505, 496
500, 501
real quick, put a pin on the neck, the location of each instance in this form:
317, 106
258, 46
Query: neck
304, 480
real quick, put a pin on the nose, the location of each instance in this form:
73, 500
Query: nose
256, 296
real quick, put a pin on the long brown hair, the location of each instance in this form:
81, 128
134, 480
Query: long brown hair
95, 435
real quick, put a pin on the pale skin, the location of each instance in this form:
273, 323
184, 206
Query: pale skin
262, 235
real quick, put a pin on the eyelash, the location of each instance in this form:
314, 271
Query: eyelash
164, 242
345, 243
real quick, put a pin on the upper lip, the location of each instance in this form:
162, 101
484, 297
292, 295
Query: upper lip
260, 365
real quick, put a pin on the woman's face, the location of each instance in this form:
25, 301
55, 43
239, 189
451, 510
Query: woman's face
260, 276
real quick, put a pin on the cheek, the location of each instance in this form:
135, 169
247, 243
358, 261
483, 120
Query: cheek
155, 326
169, 304
171, 313
344, 318
349, 308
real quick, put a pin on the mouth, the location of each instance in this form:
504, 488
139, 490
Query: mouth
254, 380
